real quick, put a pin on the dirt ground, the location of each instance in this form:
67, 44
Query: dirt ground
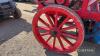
17, 39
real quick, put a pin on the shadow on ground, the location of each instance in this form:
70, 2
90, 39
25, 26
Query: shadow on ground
12, 27
89, 49
51, 53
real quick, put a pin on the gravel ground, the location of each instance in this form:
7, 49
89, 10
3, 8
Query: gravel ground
17, 39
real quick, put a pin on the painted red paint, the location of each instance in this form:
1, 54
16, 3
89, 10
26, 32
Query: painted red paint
54, 28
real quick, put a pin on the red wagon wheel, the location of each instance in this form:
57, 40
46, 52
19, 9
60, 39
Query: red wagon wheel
65, 36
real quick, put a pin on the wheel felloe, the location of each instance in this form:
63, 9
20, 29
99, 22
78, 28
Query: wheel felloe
58, 36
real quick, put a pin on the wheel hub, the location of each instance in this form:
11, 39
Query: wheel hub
54, 32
